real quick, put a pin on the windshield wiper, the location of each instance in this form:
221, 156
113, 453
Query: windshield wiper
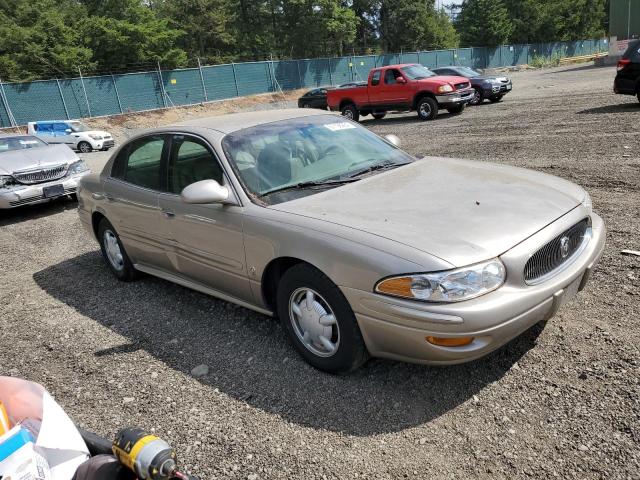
310, 184
379, 166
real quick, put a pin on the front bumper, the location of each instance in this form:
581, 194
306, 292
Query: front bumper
395, 328
455, 98
498, 89
32, 194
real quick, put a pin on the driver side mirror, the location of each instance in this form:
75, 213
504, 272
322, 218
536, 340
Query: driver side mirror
401, 80
205, 191
68, 130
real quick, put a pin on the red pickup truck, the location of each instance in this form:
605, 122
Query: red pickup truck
402, 88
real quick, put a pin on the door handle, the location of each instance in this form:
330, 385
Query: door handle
168, 213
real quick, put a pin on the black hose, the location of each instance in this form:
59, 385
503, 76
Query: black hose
96, 444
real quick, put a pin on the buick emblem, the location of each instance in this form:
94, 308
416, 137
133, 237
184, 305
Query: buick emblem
564, 246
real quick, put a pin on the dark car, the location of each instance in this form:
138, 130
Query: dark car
491, 87
316, 98
627, 80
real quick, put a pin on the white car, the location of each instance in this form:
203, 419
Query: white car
72, 133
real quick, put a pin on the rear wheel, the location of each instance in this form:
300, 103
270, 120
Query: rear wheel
351, 112
379, 115
457, 109
319, 320
84, 147
114, 254
427, 108
478, 97
495, 98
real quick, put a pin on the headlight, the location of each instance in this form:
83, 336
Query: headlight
77, 167
448, 286
586, 201
6, 181
445, 88
95, 136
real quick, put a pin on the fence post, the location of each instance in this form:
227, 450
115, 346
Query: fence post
419, 58
85, 91
235, 79
162, 92
12, 119
330, 75
299, 75
204, 88
115, 88
64, 104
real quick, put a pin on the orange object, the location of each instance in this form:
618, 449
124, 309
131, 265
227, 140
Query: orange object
5, 426
450, 342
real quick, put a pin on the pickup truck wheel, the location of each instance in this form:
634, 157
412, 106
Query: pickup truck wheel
478, 97
380, 115
427, 108
84, 147
351, 112
457, 109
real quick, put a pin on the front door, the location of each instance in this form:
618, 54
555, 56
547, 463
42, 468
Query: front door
393, 93
209, 244
132, 201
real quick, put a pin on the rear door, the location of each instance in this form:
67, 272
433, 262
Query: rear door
208, 239
132, 190
63, 133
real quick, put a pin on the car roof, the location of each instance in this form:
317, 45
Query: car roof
239, 121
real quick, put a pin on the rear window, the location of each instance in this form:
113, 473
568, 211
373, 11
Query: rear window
375, 79
633, 51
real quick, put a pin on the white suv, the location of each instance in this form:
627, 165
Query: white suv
73, 133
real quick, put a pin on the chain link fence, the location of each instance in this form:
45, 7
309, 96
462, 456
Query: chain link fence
104, 95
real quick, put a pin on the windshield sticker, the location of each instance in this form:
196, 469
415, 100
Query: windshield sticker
334, 127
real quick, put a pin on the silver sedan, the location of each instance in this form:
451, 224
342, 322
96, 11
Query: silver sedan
32, 171
360, 249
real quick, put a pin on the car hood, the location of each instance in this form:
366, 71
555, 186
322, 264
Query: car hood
444, 79
29, 158
461, 211
96, 132
484, 78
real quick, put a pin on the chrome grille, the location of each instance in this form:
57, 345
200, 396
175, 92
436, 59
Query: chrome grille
40, 175
460, 86
556, 252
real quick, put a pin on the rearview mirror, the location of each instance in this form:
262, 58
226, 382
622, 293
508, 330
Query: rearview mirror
393, 140
400, 80
205, 191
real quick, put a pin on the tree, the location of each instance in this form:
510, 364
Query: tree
484, 23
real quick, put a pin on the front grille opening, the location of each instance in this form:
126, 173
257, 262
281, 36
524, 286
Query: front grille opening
39, 176
555, 253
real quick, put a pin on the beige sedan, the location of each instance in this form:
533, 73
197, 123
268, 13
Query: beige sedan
360, 249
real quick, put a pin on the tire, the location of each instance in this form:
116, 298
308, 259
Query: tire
458, 109
343, 335
380, 115
638, 95
351, 112
427, 108
495, 98
478, 97
85, 147
306, 105
120, 266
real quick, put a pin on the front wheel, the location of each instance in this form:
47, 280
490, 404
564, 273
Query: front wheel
427, 108
478, 97
114, 254
84, 147
495, 98
379, 115
457, 109
319, 320
351, 112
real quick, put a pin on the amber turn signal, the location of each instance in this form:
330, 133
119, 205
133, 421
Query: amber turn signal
450, 342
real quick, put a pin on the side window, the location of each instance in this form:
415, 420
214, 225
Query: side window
191, 161
140, 164
60, 128
45, 128
390, 77
375, 79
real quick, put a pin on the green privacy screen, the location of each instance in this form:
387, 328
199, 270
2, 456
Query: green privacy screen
134, 92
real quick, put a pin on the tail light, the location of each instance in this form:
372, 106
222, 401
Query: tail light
623, 62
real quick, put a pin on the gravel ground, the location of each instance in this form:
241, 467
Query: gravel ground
561, 401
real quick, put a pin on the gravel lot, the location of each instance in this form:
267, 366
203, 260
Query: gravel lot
561, 401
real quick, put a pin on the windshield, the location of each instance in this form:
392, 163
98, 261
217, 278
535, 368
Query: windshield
467, 72
416, 72
78, 127
8, 144
325, 148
